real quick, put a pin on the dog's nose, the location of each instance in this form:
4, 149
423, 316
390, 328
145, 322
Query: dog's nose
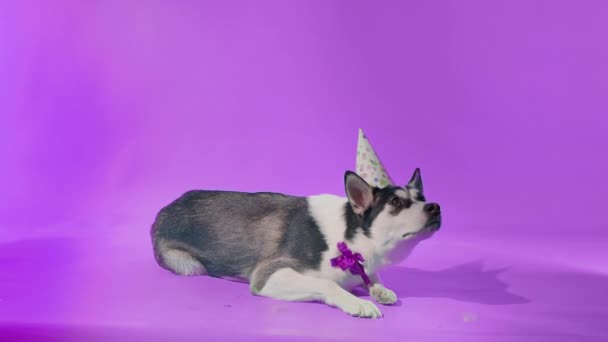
432, 208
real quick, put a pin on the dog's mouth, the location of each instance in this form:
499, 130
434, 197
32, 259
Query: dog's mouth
413, 234
433, 224
431, 227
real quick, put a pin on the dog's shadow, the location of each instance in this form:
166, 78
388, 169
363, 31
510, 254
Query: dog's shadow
468, 282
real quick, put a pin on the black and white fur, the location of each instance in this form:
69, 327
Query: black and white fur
282, 245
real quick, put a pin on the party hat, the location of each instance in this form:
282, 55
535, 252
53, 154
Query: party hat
368, 165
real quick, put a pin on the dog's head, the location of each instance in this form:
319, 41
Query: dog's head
393, 214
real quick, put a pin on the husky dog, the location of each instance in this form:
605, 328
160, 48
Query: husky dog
282, 245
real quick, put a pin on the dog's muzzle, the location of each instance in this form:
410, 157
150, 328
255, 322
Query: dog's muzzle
433, 211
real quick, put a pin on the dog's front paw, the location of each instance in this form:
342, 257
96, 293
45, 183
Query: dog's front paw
356, 306
383, 295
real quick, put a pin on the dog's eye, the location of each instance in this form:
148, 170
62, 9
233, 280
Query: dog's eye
395, 201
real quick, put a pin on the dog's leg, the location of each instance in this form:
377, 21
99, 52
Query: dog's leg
380, 293
287, 284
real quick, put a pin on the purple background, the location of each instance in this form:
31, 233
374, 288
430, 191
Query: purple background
111, 109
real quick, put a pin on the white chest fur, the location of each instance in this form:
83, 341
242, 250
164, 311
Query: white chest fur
328, 211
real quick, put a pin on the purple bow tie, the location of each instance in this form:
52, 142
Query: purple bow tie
351, 261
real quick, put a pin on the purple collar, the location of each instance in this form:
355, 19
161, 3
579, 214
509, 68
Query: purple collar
351, 261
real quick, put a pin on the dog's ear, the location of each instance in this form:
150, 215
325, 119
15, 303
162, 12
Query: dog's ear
359, 193
416, 181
